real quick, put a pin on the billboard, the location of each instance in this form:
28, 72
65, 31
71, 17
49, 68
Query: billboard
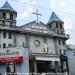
11, 55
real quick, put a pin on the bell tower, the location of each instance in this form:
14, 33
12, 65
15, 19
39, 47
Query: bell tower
56, 24
7, 15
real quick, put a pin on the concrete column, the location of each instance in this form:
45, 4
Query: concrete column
56, 67
53, 64
27, 40
35, 67
56, 47
0, 39
14, 43
59, 25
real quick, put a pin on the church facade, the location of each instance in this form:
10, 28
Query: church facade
45, 42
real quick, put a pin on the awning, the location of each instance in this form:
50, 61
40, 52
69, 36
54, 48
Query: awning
48, 58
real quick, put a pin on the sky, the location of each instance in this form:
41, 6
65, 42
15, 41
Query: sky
65, 10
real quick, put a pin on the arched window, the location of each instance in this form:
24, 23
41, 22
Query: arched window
4, 45
10, 35
9, 45
4, 15
60, 26
4, 34
11, 16
57, 25
23, 44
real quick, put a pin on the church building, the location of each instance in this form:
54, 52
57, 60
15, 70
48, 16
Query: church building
33, 47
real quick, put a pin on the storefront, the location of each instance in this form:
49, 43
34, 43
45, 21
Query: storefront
46, 64
14, 60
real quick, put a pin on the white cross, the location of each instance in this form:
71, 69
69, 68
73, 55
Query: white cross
37, 14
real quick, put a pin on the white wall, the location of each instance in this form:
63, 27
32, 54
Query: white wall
20, 38
6, 40
62, 47
51, 45
32, 46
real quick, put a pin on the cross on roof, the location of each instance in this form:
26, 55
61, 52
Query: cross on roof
37, 14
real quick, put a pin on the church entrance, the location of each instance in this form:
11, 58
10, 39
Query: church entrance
45, 66
42, 66
10, 68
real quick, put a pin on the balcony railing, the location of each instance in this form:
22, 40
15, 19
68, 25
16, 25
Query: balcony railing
63, 35
47, 32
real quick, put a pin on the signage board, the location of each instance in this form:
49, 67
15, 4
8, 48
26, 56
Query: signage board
11, 55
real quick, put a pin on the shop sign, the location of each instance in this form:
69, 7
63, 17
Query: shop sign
11, 55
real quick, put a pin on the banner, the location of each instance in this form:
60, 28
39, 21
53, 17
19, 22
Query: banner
11, 55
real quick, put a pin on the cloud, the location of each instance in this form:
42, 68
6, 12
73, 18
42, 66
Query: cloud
34, 2
57, 4
62, 3
52, 4
23, 0
30, 9
24, 14
67, 25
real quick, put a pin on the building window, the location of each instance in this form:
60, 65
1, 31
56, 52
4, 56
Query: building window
9, 45
3, 22
64, 51
9, 35
47, 49
4, 15
7, 16
4, 45
57, 25
60, 52
14, 17
45, 41
0, 14
23, 44
62, 32
44, 49
50, 26
0, 22
60, 26
63, 42
11, 16
10, 68
58, 31
59, 41
7, 23
13, 24
4, 34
